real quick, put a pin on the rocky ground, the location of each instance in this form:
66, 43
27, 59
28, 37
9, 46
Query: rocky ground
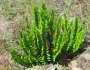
81, 62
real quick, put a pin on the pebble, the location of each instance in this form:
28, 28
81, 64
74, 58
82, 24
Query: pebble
51, 68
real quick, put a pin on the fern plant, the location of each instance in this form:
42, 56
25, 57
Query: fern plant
43, 40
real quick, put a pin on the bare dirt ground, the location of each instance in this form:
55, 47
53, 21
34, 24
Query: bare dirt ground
4, 56
7, 30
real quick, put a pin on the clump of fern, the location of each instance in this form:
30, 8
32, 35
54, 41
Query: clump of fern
45, 39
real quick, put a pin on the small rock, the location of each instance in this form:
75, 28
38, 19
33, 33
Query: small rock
68, 68
86, 54
73, 65
34, 68
75, 68
51, 68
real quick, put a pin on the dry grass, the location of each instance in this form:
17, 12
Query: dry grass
13, 12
